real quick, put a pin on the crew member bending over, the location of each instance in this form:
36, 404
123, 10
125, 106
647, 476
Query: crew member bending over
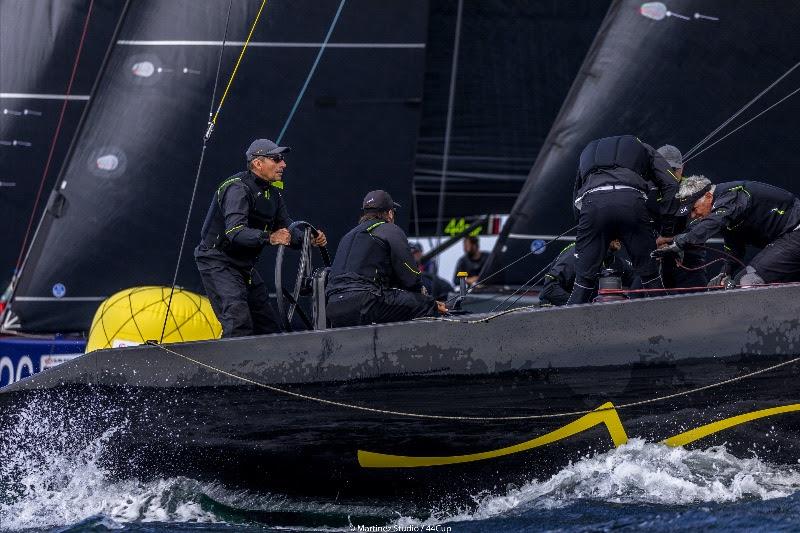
746, 213
611, 187
374, 278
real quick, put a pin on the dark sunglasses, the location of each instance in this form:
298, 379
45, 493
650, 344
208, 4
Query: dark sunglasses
276, 158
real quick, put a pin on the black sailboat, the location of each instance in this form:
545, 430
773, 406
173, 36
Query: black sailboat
670, 73
436, 409
114, 206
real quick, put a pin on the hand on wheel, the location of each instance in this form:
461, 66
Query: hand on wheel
280, 236
320, 240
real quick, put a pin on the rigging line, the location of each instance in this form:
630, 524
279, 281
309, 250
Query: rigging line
723, 252
740, 111
311, 72
469, 418
448, 125
701, 267
235, 67
743, 125
199, 168
56, 134
482, 282
524, 286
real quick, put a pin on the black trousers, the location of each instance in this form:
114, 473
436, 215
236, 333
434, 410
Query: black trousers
605, 216
779, 261
239, 298
357, 308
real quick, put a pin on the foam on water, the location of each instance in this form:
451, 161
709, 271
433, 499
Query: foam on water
52, 473
639, 473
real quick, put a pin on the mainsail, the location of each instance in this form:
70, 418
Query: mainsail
40, 41
670, 73
116, 215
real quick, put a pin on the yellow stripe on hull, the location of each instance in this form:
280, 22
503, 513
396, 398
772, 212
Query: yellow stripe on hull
605, 414
692, 435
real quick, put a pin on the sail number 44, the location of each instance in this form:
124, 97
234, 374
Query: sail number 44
458, 225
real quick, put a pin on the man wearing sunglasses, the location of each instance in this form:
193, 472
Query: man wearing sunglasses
246, 214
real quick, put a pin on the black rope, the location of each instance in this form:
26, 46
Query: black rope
206, 138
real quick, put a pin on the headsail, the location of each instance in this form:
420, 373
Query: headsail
39, 44
116, 216
669, 72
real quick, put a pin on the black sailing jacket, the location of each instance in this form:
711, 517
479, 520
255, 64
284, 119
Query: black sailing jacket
373, 256
625, 160
243, 212
746, 213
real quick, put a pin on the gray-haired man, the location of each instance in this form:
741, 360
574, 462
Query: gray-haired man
746, 213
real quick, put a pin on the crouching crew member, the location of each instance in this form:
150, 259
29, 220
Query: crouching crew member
374, 278
560, 278
611, 187
247, 212
746, 213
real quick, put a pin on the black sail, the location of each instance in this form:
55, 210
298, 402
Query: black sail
116, 216
670, 73
515, 65
39, 42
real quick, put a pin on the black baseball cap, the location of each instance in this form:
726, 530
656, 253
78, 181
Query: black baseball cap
378, 201
261, 147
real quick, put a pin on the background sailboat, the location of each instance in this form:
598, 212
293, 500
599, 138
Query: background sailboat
43, 46
116, 215
670, 73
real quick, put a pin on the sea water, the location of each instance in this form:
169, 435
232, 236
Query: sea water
52, 478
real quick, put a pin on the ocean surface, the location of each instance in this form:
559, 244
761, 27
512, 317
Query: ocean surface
52, 479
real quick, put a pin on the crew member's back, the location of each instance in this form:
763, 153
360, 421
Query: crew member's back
374, 278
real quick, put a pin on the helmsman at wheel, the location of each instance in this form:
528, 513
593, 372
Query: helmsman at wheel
614, 175
746, 213
247, 212
374, 278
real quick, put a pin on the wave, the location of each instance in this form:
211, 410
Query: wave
638, 473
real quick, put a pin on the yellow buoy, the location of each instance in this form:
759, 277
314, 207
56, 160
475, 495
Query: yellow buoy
135, 315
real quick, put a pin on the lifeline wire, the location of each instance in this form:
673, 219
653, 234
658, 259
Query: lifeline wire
310, 72
202, 157
739, 112
469, 418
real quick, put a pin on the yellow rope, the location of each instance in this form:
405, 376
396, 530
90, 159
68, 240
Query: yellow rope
238, 61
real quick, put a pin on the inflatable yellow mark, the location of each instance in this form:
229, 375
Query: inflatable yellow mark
135, 315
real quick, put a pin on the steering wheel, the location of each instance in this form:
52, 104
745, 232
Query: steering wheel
289, 297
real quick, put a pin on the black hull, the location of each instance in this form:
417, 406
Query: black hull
187, 419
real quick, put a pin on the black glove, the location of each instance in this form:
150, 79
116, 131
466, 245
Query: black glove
671, 248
